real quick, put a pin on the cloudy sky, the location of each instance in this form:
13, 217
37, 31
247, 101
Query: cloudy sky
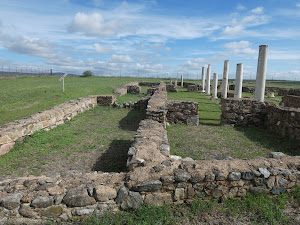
163, 38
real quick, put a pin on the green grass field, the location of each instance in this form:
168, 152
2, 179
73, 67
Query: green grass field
210, 140
25, 95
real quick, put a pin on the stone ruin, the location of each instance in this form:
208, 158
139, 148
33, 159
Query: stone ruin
154, 177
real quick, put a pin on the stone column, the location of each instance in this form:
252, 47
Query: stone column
238, 81
207, 87
181, 80
176, 83
203, 79
261, 73
215, 87
225, 79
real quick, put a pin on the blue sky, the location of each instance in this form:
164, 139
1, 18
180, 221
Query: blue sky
150, 37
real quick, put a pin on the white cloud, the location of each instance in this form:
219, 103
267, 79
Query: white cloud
241, 47
236, 45
195, 63
101, 49
27, 45
240, 7
258, 10
232, 30
95, 25
120, 59
298, 4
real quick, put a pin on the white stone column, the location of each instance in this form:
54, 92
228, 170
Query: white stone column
261, 73
181, 80
225, 79
207, 87
176, 83
215, 87
203, 79
238, 81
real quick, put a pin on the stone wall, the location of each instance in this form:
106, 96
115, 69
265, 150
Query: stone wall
243, 112
105, 100
150, 84
171, 88
290, 101
280, 90
289, 91
180, 112
46, 120
192, 88
247, 112
156, 109
132, 88
284, 121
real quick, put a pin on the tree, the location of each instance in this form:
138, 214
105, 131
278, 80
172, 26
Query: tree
87, 73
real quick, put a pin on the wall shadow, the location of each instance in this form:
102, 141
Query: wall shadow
114, 158
271, 140
132, 119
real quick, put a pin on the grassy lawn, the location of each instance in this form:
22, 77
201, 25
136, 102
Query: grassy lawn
95, 140
210, 140
263, 209
25, 95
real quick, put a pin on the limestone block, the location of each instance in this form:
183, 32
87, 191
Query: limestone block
5, 148
104, 193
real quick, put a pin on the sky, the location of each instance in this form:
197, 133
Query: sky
150, 38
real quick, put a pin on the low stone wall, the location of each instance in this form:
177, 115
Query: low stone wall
284, 121
150, 145
180, 112
290, 101
156, 109
192, 88
171, 88
243, 112
247, 112
132, 88
288, 91
150, 84
105, 100
47, 119
280, 90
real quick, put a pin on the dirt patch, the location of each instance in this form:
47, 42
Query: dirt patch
56, 96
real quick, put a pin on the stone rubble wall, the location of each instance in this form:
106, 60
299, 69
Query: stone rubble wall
156, 109
284, 121
132, 88
243, 112
248, 112
105, 100
289, 91
150, 84
193, 88
46, 120
180, 112
171, 88
280, 90
290, 101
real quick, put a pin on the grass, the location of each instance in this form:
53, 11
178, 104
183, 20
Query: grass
250, 209
25, 95
132, 97
210, 140
95, 140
